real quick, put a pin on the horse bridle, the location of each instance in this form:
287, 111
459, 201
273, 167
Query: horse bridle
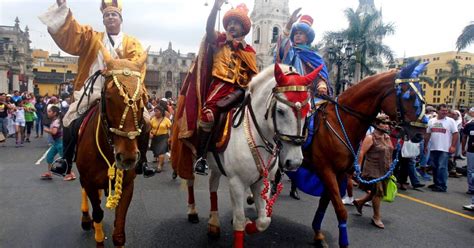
130, 102
278, 137
401, 111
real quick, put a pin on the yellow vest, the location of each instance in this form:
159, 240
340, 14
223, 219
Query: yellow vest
235, 67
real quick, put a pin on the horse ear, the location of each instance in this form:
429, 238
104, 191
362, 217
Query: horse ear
408, 70
313, 75
141, 61
105, 53
278, 74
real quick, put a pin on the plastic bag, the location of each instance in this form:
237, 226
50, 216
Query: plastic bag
410, 149
391, 191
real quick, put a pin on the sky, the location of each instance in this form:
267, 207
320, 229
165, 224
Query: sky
422, 26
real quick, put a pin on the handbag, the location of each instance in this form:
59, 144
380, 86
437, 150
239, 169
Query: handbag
35, 116
392, 190
410, 149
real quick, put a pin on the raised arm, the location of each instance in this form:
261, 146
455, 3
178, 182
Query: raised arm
293, 18
68, 34
211, 21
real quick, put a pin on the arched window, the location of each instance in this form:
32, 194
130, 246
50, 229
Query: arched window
275, 34
169, 76
257, 36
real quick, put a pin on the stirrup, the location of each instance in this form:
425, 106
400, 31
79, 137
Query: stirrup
201, 167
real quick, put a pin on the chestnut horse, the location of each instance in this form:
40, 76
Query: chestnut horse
341, 125
107, 148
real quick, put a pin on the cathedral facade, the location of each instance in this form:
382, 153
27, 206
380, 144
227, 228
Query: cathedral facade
166, 71
269, 18
15, 59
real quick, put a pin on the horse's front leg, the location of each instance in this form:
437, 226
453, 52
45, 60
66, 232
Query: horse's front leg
192, 212
213, 225
319, 239
121, 213
263, 221
237, 195
332, 188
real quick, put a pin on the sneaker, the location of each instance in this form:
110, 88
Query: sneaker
346, 200
469, 207
432, 186
27, 140
470, 192
418, 185
438, 189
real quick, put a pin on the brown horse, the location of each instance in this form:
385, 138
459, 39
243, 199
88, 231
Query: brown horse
108, 148
396, 94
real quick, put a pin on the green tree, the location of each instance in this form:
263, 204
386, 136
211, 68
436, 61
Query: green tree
466, 37
365, 33
457, 74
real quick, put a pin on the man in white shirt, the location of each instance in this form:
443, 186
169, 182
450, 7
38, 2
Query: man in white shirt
441, 135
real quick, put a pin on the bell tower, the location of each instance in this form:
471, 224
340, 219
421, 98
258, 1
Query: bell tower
269, 18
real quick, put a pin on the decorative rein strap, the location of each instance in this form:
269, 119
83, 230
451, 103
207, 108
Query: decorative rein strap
356, 156
131, 103
112, 172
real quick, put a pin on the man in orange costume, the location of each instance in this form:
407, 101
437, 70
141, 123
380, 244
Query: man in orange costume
225, 64
84, 42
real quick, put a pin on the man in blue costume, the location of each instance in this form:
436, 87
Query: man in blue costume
294, 48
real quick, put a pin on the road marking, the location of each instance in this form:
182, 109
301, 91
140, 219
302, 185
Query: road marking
436, 206
42, 157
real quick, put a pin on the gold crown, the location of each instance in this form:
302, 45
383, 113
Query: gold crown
111, 5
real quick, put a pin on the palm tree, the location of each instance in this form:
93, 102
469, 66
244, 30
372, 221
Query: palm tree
365, 34
456, 74
466, 37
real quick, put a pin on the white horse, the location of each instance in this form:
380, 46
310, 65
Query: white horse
271, 135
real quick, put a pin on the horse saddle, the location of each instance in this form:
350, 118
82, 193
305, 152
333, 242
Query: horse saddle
223, 126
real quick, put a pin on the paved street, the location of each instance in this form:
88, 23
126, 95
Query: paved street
38, 213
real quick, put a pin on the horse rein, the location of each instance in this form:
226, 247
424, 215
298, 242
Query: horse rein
131, 103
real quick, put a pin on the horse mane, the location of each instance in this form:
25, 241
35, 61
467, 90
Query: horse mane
366, 81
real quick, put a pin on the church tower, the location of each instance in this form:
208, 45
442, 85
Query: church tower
269, 18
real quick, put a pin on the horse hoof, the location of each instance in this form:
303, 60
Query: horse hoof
193, 218
320, 243
99, 244
86, 223
250, 200
251, 228
213, 231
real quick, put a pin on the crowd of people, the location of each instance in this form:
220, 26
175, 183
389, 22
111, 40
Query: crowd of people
449, 137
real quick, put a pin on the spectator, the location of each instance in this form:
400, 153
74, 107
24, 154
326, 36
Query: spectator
441, 136
3, 117
160, 129
29, 118
376, 154
19, 119
40, 108
55, 131
468, 151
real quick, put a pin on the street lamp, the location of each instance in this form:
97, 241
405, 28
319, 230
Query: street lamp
340, 53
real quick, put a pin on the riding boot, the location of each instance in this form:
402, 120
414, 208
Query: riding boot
200, 166
63, 166
294, 192
142, 165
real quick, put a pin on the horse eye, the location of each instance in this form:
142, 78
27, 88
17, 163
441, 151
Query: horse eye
281, 112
